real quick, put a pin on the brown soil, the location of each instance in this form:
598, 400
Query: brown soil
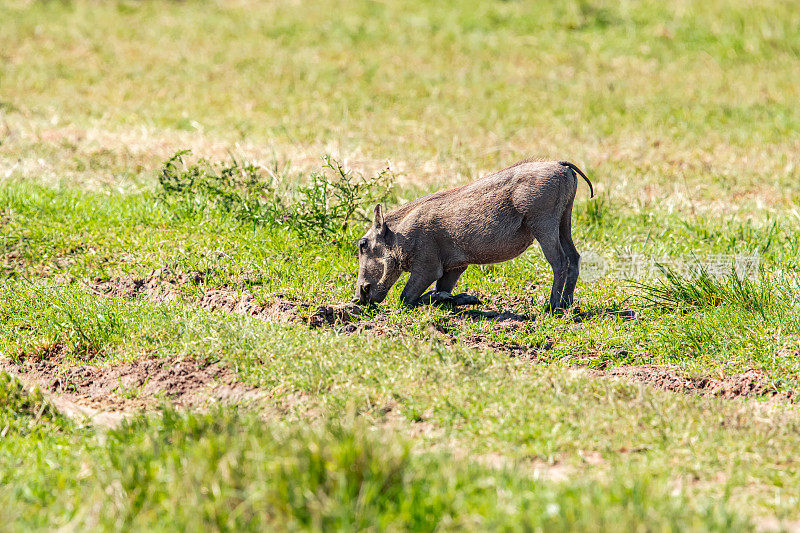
161, 284
750, 384
283, 309
130, 386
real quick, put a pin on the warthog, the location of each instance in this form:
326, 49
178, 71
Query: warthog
493, 219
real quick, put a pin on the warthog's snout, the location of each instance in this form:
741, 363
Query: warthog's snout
362, 295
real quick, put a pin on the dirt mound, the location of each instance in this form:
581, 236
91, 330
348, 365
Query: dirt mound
750, 384
133, 385
283, 309
161, 284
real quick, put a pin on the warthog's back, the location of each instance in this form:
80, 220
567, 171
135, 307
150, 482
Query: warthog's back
486, 221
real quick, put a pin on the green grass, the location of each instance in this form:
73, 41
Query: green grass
671, 96
474, 403
127, 234
224, 470
684, 116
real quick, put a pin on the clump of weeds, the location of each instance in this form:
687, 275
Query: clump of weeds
320, 207
768, 296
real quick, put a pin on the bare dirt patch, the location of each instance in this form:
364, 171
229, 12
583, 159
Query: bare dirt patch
282, 309
750, 384
130, 386
161, 284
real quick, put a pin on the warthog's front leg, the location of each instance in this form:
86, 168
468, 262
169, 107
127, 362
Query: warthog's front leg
445, 286
416, 285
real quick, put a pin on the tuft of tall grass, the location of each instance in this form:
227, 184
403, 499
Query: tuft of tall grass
29, 407
764, 295
88, 324
596, 213
36, 319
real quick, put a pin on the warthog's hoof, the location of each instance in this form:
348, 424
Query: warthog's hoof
445, 299
442, 299
466, 299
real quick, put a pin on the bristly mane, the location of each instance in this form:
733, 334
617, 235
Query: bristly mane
404, 209
518, 163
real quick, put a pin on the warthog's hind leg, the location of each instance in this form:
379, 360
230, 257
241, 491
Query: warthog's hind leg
547, 233
572, 255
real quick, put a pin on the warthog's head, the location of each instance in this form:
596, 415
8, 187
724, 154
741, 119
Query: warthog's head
378, 264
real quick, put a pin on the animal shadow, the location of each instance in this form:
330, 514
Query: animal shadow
577, 314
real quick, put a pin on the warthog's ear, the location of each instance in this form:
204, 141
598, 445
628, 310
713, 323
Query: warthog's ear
379, 223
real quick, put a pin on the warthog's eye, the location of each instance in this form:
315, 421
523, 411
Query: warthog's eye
362, 246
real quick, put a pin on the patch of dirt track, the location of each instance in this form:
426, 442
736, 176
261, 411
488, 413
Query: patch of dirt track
283, 309
164, 285
750, 384
161, 284
129, 386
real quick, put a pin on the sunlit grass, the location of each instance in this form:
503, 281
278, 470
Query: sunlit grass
684, 116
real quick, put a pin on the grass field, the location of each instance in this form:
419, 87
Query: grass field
203, 328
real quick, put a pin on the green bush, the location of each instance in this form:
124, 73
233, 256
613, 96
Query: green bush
322, 208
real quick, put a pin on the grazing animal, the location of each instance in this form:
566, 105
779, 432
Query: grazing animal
493, 219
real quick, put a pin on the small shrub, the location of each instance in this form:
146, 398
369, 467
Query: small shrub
322, 208
239, 188
327, 205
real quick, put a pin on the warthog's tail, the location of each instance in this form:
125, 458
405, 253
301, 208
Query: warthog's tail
576, 169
